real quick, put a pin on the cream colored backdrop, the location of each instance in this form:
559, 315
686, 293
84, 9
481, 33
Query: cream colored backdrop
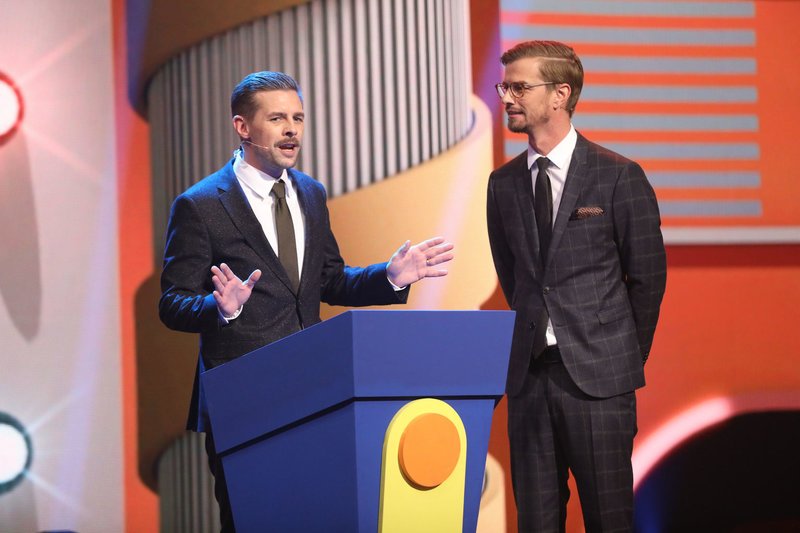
59, 296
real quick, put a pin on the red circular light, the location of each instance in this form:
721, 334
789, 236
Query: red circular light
11, 107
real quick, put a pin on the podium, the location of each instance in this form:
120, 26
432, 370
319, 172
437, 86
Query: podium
301, 423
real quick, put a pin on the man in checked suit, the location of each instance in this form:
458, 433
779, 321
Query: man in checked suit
258, 217
575, 236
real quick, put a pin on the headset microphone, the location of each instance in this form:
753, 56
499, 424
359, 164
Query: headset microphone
248, 141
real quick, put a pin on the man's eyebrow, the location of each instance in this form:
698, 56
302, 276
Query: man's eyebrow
283, 114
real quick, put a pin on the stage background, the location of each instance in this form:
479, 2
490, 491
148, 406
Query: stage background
60, 342
79, 263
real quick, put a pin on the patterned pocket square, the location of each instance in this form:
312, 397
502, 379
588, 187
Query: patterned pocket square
586, 212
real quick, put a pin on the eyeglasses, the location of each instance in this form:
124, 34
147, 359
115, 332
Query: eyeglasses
518, 88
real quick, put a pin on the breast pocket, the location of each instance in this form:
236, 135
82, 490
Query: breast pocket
589, 235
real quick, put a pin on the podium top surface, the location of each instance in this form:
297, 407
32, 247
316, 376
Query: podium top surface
362, 354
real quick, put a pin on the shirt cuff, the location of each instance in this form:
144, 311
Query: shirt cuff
395, 287
226, 319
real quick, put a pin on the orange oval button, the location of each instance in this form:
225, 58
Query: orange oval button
429, 450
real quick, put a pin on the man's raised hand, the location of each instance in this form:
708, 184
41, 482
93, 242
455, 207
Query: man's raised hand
231, 292
410, 264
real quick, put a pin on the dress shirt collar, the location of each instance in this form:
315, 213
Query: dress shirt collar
559, 156
259, 182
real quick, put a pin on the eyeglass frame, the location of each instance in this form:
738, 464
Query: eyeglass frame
505, 88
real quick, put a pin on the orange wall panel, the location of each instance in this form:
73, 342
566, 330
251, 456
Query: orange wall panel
136, 265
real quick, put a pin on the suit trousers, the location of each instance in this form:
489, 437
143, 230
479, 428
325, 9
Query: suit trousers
220, 487
554, 427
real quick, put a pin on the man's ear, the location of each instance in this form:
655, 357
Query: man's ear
241, 127
563, 92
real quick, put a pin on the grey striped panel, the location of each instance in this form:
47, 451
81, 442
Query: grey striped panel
663, 9
671, 122
386, 86
670, 65
667, 93
704, 179
732, 235
186, 488
644, 36
710, 208
674, 151
643, 150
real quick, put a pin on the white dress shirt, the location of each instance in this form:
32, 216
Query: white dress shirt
560, 158
257, 187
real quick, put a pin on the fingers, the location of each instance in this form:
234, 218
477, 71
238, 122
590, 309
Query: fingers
440, 250
439, 259
253, 278
226, 270
425, 245
435, 273
222, 275
218, 284
434, 246
403, 248
446, 247
439, 253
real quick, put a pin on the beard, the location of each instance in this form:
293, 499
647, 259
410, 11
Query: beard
516, 128
523, 123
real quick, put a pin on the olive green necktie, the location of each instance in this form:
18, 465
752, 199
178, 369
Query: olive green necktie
287, 246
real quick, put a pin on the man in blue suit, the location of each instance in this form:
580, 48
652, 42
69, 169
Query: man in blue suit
575, 236
260, 220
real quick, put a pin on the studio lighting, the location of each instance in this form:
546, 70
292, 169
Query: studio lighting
16, 452
11, 107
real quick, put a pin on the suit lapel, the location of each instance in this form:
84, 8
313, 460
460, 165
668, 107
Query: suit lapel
524, 185
235, 203
309, 205
569, 196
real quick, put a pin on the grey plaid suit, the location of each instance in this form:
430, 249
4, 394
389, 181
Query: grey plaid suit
602, 287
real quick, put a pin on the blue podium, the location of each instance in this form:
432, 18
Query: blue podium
300, 423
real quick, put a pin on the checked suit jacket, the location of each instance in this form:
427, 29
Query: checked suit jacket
211, 223
605, 274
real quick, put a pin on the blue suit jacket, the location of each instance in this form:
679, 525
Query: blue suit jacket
211, 223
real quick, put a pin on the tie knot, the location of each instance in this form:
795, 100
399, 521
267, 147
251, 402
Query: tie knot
279, 189
543, 163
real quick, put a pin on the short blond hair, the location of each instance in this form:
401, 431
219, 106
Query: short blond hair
560, 65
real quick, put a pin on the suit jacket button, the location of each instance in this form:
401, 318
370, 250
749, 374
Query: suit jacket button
531, 325
546, 290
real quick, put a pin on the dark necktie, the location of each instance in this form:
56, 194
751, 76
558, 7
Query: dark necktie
543, 208
287, 246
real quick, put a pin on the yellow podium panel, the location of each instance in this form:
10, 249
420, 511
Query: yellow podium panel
424, 470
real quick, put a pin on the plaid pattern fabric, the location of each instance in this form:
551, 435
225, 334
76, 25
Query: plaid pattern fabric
557, 427
605, 275
602, 286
